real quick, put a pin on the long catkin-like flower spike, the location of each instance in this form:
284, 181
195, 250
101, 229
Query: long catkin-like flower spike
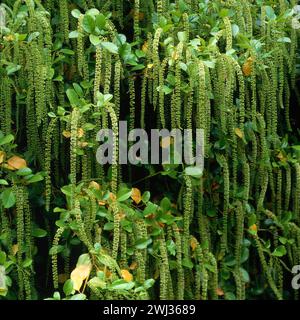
164, 270
115, 155
55, 243
98, 73
187, 215
64, 17
228, 32
136, 19
266, 269
224, 237
180, 271
47, 162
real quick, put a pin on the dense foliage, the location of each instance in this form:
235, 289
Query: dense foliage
72, 229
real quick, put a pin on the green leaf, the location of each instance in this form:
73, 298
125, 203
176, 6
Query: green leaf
75, 13
2, 257
56, 295
51, 114
111, 47
100, 21
27, 263
186, 262
67, 52
73, 34
36, 178
108, 226
79, 296
3, 182
182, 36
235, 30
146, 196
124, 194
84, 259
143, 243
171, 246
56, 249
279, 251
95, 40
39, 233
73, 97
245, 275
68, 287
6, 139
121, 285
33, 36
88, 23
270, 13
195, 172
8, 198
284, 40
148, 283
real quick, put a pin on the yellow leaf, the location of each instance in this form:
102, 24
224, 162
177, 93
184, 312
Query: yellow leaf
80, 133
281, 157
66, 134
136, 195
253, 228
239, 133
126, 275
17, 163
150, 66
79, 274
175, 55
248, 67
94, 185
193, 243
83, 144
133, 266
112, 197
165, 142
219, 292
2, 156
15, 249
6, 166
145, 46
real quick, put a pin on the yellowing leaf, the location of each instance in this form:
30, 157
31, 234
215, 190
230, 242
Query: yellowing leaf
253, 228
17, 163
15, 249
166, 142
2, 156
220, 292
66, 134
133, 266
94, 185
193, 243
112, 197
150, 66
126, 275
281, 157
248, 67
145, 46
175, 55
83, 144
80, 133
136, 195
239, 133
6, 166
79, 274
